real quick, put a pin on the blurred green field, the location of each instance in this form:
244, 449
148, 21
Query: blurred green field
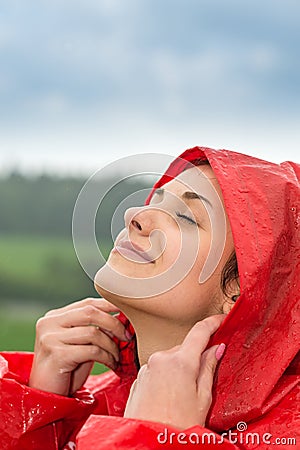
17, 330
27, 255
36, 274
43, 269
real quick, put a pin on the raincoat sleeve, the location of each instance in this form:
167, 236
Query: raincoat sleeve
33, 419
277, 429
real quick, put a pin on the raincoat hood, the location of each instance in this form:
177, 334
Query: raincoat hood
262, 330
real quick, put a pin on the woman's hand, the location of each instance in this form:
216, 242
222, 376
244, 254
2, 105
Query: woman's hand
69, 340
175, 386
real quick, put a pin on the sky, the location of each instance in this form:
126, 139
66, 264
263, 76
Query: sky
87, 82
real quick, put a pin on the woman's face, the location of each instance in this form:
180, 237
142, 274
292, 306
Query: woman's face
169, 258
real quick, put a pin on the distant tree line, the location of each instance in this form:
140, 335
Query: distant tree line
44, 204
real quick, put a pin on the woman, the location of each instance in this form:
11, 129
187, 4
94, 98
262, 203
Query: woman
250, 212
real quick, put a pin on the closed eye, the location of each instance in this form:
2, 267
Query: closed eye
186, 218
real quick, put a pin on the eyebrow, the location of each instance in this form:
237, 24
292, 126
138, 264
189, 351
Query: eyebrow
187, 196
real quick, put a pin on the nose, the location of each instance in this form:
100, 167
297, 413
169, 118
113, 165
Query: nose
140, 219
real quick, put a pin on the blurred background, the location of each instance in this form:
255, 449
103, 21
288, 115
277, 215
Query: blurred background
84, 83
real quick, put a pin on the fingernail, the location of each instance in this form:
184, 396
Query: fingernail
220, 351
128, 335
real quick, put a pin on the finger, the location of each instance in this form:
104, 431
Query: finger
89, 315
208, 364
100, 303
89, 336
84, 353
197, 339
82, 373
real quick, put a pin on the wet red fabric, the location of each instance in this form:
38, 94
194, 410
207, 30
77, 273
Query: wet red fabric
257, 382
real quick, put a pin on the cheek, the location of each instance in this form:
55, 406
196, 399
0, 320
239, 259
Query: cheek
172, 249
187, 250
198, 244
189, 301
203, 251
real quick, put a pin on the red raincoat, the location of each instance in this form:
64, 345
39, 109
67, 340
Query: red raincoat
256, 392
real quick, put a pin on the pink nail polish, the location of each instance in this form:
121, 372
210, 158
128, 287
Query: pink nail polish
220, 351
128, 335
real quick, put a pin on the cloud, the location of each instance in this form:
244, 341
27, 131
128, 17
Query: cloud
107, 66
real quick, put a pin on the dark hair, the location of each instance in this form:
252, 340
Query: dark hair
230, 270
229, 273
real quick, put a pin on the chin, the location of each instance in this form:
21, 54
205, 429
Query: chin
112, 298
102, 284
107, 285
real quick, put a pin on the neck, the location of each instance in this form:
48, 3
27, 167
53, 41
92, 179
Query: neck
155, 334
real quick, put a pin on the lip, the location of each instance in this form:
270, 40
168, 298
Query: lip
133, 252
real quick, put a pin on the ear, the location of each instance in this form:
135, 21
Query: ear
231, 296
